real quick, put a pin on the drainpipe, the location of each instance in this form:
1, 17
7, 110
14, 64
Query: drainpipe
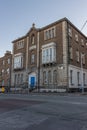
68, 56
38, 63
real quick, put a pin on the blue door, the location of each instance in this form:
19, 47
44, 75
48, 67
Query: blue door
32, 82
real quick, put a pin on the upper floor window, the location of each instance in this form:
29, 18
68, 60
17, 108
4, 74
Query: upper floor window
18, 62
3, 62
77, 56
33, 39
20, 44
70, 32
8, 71
48, 54
8, 60
83, 58
76, 38
3, 72
32, 58
86, 44
49, 33
82, 42
71, 53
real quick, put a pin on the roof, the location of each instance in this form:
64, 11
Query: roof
47, 26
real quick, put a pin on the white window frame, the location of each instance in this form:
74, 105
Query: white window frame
18, 62
49, 54
50, 33
70, 32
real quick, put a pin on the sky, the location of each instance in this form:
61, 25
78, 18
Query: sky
17, 17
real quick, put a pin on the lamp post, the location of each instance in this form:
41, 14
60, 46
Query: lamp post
82, 56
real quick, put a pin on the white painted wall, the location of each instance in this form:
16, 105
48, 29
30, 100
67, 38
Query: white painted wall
74, 79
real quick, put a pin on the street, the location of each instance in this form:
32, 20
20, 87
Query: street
43, 111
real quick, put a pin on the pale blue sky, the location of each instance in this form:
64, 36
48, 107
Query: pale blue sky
17, 16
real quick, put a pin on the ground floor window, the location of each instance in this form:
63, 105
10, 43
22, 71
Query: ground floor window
44, 77
50, 77
2, 82
71, 77
78, 78
55, 76
18, 79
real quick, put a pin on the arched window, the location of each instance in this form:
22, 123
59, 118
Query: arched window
55, 76
49, 76
44, 77
32, 39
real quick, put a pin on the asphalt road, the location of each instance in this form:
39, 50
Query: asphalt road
43, 112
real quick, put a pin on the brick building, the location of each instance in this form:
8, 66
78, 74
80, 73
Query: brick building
51, 58
5, 69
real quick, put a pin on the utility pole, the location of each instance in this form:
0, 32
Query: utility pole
83, 25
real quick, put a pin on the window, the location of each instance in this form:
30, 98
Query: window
70, 32
51, 54
71, 77
53, 33
55, 76
43, 56
8, 71
20, 44
49, 33
8, 60
83, 58
71, 53
49, 76
32, 58
48, 53
33, 39
18, 62
76, 37
44, 77
82, 42
77, 56
8, 82
78, 78
3, 71
21, 78
18, 79
3, 62
3, 82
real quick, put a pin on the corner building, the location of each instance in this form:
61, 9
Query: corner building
52, 58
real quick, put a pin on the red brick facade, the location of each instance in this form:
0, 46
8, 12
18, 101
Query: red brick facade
5, 69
